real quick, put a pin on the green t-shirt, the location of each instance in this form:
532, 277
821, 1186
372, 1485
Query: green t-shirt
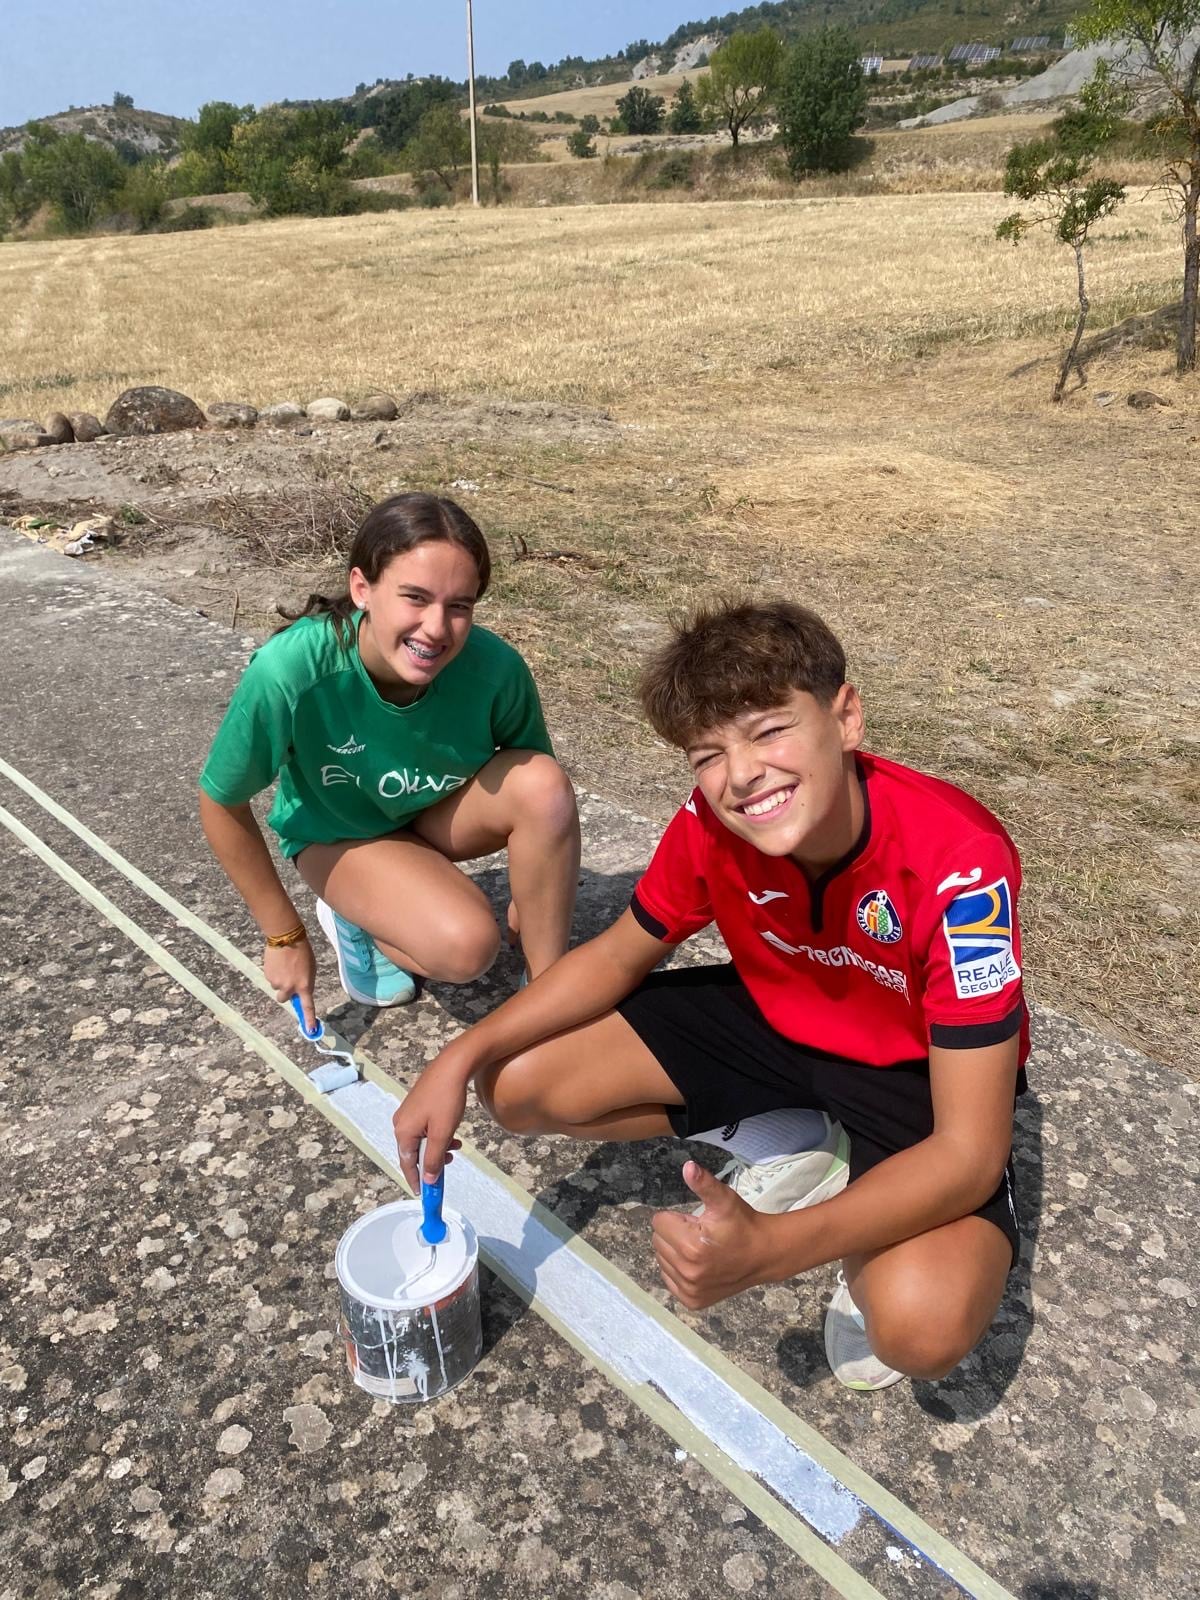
351, 765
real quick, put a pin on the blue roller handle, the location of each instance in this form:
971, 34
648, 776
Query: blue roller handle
317, 1032
433, 1229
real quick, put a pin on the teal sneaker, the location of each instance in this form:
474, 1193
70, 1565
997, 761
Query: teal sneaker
367, 975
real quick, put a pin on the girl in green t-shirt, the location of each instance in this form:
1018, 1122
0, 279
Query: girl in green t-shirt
405, 740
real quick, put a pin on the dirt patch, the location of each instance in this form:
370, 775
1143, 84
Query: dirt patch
237, 524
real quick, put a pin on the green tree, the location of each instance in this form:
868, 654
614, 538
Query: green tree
589, 124
741, 80
18, 198
78, 176
685, 113
293, 161
204, 165
441, 145
822, 100
1057, 183
1157, 63
581, 145
122, 102
397, 116
200, 172
213, 128
640, 111
500, 143
144, 193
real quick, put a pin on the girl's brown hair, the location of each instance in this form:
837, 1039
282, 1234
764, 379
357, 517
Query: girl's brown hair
390, 529
738, 657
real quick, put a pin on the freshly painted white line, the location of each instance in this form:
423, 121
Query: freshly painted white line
925, 1541
643, 1351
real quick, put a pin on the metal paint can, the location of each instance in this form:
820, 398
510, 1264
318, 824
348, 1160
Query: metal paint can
410, 1315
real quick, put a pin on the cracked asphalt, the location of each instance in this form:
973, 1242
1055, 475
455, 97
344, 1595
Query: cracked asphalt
178, 1418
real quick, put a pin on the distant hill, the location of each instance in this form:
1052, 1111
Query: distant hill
891, 28
132, 133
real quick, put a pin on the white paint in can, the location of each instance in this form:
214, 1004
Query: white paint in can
412, 1330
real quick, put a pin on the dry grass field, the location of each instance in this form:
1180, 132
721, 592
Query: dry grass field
842, 399
600, 100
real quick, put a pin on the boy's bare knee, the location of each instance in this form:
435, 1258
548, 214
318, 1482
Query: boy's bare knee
923, 1341
510, 1095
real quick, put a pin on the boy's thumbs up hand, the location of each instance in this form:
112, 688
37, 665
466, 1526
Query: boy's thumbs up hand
709, 1255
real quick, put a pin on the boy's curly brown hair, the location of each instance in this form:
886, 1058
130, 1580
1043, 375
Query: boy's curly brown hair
739, 656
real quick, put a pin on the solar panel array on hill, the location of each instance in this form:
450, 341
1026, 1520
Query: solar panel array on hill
925, 63
871, 63
975, 55
1030, 44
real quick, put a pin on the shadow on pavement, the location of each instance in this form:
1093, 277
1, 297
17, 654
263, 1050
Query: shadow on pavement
1052, 1588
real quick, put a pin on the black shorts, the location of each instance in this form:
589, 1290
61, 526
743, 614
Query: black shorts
726, 1060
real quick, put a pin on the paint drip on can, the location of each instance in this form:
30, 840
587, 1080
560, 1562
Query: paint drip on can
411, 1329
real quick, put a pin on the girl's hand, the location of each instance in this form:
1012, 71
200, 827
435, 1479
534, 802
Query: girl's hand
293, 970
431, 1111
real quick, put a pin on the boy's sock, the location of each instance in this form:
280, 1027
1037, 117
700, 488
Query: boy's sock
769, 1135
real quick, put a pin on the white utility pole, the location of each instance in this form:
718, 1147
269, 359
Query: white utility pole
471, 102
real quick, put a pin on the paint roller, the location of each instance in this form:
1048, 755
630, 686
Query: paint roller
340, 1069
433, 1227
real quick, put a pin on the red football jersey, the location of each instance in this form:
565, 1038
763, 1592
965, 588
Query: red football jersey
910, 940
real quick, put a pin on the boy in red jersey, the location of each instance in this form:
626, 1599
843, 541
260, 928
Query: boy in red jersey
859, 1057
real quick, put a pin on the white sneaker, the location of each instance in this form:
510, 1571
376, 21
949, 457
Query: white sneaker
789, 1183
847, 1349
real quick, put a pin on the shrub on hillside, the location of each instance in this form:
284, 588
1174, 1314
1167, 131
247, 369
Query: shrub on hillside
581, 145
144, 194
685, 113
369, 159
200, 172
187, 220
368, 200
675, 171
640, 111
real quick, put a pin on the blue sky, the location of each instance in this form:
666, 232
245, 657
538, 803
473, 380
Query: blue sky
172, 55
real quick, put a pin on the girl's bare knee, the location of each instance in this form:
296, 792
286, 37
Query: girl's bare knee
545, 795
467, 951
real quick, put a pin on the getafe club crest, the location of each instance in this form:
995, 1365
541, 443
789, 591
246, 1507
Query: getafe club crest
878, 917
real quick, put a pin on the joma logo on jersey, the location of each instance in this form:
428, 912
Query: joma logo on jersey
979, 933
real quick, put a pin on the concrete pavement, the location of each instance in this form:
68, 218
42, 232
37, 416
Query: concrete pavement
178, 1415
